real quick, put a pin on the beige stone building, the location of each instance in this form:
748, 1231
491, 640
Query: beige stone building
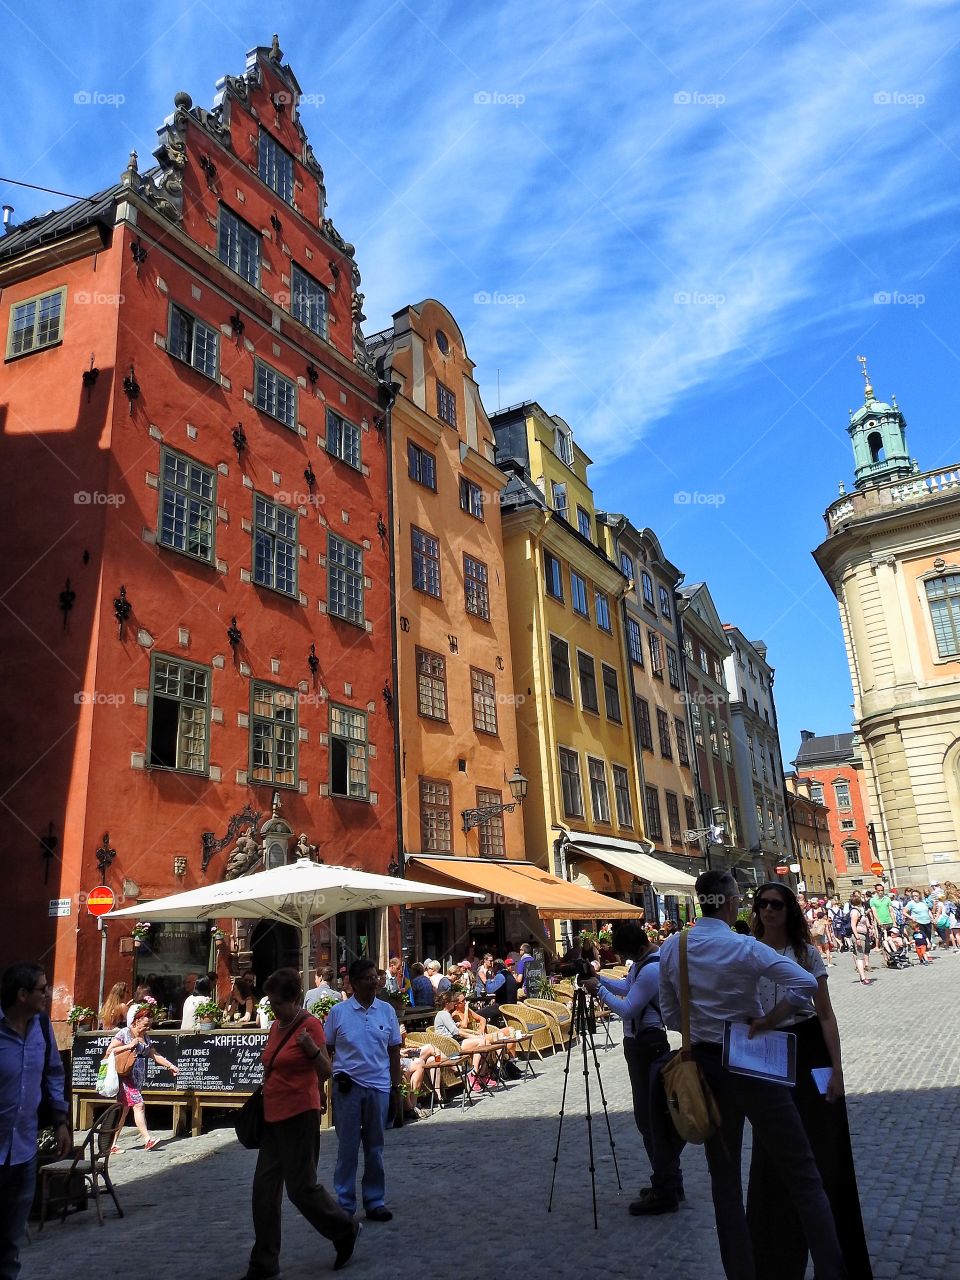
892, 558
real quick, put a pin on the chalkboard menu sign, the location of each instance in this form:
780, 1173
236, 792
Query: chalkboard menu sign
208, 1061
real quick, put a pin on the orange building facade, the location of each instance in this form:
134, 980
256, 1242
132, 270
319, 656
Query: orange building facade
835, 773
457, 700
196, 564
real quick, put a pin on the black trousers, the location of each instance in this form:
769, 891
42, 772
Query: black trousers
779, 1246
777, 1127
289, 1150
644, 1056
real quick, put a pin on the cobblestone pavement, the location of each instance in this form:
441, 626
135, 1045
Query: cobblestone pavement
470, 1190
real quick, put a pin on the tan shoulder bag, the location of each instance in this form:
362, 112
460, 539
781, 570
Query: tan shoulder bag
690, 1101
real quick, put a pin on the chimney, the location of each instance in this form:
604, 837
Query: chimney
7, 218
806, 735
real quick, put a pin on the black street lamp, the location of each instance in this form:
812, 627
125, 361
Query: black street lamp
480, 817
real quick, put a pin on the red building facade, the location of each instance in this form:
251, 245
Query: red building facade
836, 777
196, 563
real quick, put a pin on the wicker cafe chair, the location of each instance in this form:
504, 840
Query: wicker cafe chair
538, 1023
563, 991
561, 1018
90, 1160
449, 1076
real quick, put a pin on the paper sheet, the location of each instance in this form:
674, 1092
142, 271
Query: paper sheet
821, 1077
767, 1054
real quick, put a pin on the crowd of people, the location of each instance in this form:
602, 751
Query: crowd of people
893, 925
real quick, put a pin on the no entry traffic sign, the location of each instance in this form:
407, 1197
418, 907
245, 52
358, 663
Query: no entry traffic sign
100, 900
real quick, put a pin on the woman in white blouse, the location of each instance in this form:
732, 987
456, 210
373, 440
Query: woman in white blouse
780, 1249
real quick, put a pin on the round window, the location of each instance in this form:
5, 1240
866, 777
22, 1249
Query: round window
443, 342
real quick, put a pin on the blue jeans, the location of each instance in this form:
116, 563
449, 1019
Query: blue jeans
360, 1116
17, 1182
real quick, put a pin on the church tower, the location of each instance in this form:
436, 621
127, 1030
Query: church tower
878, 433
892, 559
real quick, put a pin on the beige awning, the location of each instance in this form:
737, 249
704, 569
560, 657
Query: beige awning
629, 856
522, 882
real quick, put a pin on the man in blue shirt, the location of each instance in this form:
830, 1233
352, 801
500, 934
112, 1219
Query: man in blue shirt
364, 1037
422, 994
636, 998
31, 1072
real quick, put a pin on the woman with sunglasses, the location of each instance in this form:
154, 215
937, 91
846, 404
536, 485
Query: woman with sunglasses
779, 1246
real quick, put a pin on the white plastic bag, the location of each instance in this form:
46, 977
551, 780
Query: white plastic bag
108, 1082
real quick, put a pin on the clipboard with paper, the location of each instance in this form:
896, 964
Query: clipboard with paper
770, 1055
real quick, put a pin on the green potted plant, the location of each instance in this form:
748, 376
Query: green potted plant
320, 1008
81, 1018
207, 1015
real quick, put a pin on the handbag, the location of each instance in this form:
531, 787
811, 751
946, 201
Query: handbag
249, 1123
690, 1101
125, 1059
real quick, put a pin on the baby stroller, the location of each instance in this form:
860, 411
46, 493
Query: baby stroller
894, 951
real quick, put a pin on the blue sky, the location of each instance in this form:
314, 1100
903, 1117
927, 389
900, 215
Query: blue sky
675, 226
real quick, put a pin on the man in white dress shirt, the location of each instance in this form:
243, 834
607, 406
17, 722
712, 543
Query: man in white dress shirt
723, 970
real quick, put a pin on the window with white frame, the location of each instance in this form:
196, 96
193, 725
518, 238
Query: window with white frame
187, 501
431, 684
816, 792
348, 753
665, 606
627, 566
553, 575
563, 445
584, 523
476, 587
578, 594
601, 603
656, 654
635, 641
36, 323
193, 342
179, 715
238, 245
273, 735
673, 667
343, 439
571, 788
446, 405
491, 841
652, 806
943, 601
841, 791
560, 501
471, 498
344, 580
309, 301
426, 562
621, 795
611, 693
646, 589
727, 745
276, 394
275, 166
484, 691
421, 466
436, 816
599, 795
274, 546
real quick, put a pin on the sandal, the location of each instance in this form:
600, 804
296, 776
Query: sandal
148, 1146
115, 1150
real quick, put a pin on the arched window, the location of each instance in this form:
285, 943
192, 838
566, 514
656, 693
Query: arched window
943, 599
852, 849
875, 444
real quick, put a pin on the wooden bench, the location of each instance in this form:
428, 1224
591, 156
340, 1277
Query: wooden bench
85, 1105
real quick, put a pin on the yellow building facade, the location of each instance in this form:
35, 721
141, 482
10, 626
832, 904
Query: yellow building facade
583, 818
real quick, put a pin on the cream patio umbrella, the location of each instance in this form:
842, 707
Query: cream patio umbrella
301, 894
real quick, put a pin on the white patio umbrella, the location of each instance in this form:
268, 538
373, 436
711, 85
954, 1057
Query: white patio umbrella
301, 894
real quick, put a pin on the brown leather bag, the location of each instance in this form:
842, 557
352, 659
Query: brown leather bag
125, 1059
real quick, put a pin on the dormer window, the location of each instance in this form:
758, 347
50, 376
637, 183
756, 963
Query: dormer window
563, 445
275, 167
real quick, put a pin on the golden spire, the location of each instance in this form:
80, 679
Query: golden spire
867, 390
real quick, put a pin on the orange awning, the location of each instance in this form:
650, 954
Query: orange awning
516, 883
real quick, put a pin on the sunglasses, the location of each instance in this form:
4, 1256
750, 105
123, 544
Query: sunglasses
771, 904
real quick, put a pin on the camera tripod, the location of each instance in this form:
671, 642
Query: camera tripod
584, 1025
